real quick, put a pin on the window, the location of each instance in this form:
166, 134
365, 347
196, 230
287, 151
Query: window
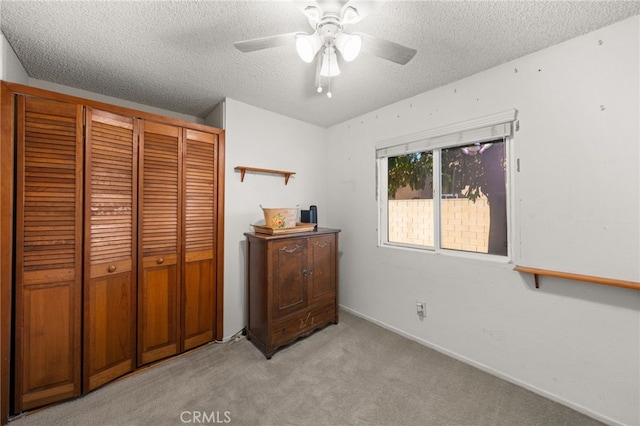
448, 191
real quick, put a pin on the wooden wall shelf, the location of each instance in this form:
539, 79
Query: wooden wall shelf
576, 277
243, 169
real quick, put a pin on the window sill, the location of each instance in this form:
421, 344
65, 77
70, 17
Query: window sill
482, 257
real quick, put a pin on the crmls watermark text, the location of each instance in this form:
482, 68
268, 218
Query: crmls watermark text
205, 417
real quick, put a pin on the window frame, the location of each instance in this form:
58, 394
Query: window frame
492, 127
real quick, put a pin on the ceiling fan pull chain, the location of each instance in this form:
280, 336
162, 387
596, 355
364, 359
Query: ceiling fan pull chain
318, 76
329, 95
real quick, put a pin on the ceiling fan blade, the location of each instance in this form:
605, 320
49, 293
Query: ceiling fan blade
265, 42
303, 4
386, 49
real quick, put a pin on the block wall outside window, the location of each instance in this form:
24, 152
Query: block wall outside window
466, 226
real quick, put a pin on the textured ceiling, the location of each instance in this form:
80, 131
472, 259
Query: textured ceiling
179, 55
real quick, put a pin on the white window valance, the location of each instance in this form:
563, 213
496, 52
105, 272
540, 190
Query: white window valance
482, 129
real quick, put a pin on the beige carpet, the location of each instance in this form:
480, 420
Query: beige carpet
353, 373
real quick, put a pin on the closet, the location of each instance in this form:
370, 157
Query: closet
112, 249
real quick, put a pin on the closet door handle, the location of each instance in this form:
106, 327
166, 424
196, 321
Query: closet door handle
160, 261
112, 268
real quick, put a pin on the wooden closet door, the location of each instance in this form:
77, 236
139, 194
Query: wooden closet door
199, 276
48, 252
110, 247
159, 234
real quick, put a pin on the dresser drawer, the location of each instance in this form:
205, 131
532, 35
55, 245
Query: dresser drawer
301, 324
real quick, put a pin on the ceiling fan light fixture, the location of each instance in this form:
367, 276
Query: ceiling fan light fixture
329, 66
307, 46
349, 46
350, 15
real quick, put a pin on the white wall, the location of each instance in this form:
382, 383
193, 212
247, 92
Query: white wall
10, 67
578, 146
216, 117
259, 138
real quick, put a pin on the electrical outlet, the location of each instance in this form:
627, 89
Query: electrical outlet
421, 309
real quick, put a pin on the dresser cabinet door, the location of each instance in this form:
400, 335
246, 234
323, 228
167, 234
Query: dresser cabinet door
48, 252
322, 275
110, 248
159, 234
200, 171
288, 269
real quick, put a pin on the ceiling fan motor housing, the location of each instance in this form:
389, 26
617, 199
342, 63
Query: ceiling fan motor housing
328, 28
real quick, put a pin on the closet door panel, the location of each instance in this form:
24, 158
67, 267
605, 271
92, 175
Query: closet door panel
110, 247
200, 159
159, 236
158, 310
48, 252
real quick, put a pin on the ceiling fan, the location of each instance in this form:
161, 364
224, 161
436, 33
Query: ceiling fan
329, 18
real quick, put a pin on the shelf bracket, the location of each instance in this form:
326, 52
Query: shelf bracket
287, 175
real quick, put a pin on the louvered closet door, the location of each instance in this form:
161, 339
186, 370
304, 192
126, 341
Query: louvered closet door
159, 234
48, 252
110, 247
200, 159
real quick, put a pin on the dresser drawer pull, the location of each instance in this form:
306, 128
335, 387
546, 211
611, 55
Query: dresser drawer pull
112, 268
160, 261
292, 250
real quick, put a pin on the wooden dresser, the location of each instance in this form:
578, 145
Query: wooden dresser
292, 286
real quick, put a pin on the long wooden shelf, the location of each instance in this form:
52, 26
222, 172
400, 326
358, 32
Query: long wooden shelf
243, 169
576, 277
